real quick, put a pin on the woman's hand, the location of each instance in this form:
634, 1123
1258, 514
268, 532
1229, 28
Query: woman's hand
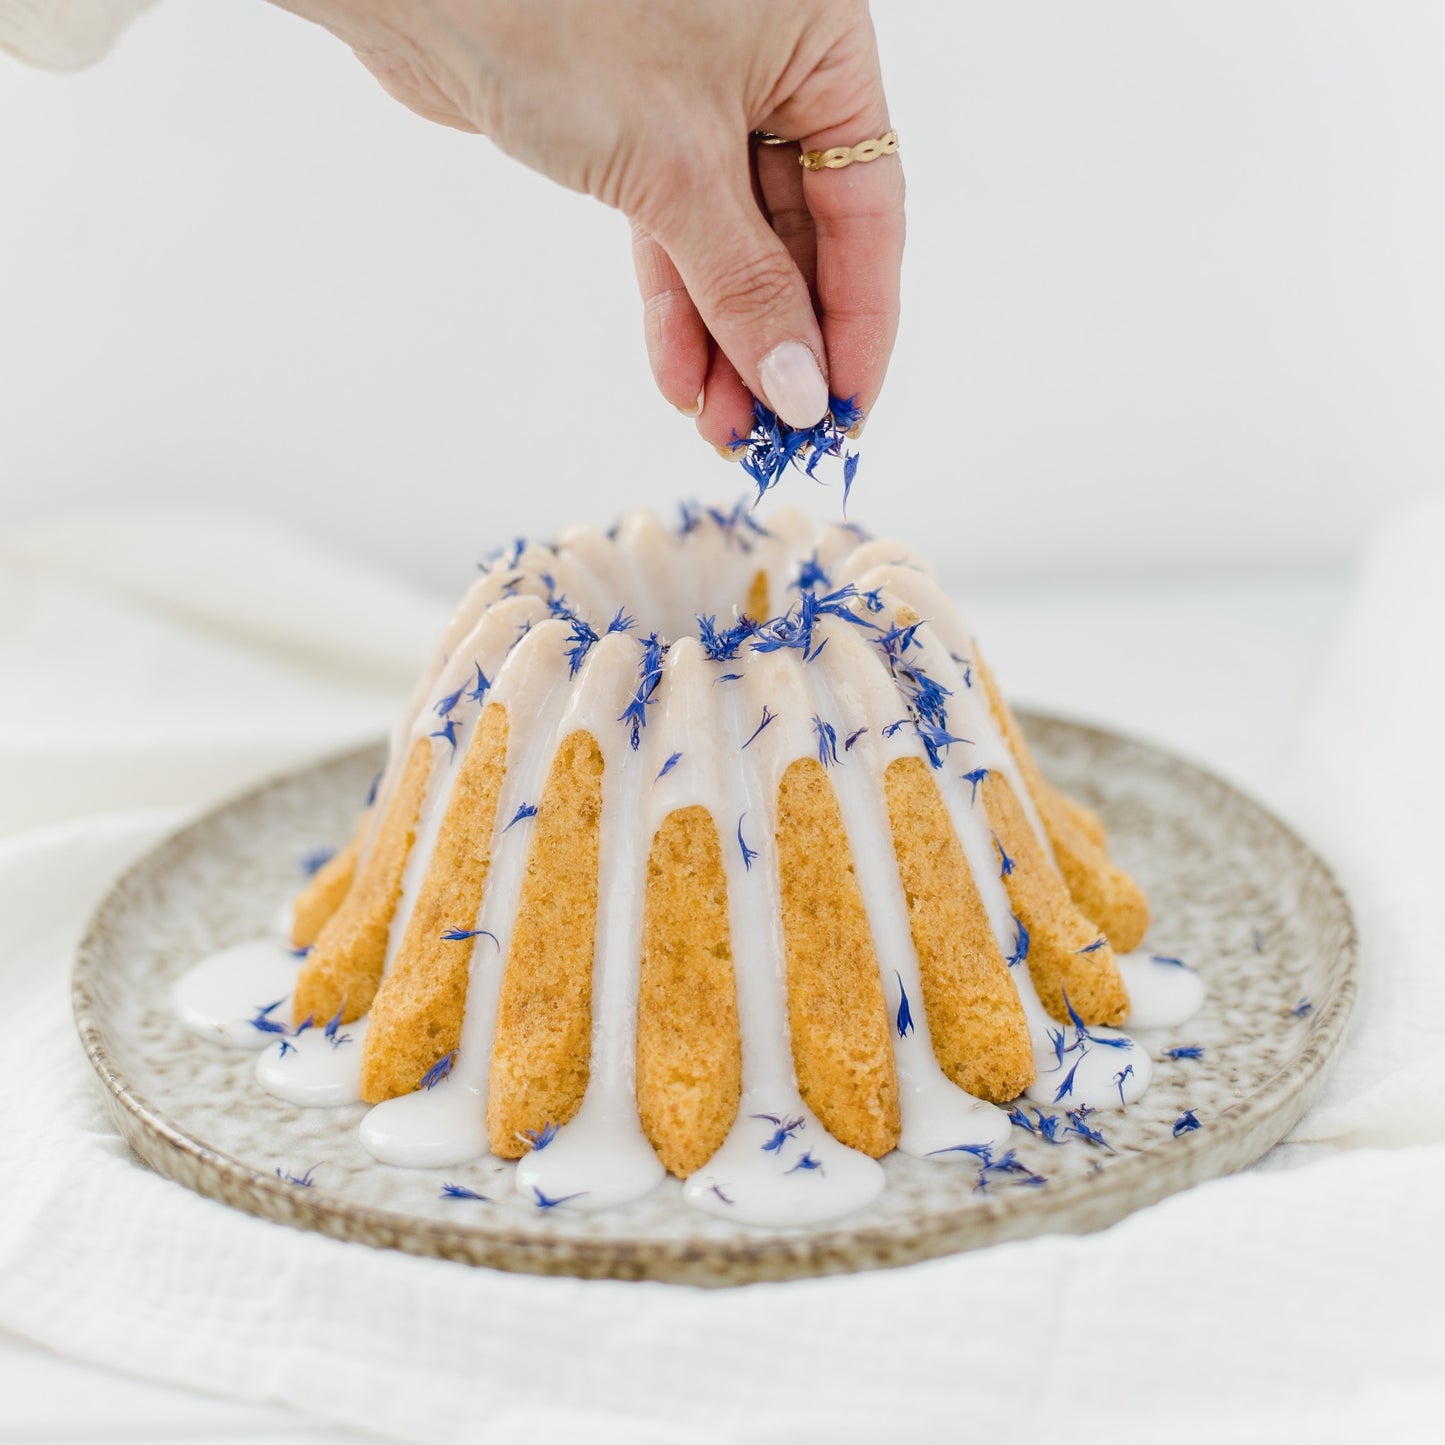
757, 276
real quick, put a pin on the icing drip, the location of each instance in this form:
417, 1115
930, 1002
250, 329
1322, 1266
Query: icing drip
745, 1180
601, 1157
430, 1129
1110, 1072
1162, 995
937, 1114
221, 997
314, 1068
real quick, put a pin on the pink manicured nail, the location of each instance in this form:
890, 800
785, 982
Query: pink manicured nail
792, 384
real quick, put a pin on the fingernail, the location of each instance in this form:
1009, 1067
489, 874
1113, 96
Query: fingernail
793, 385
726, 453
695, 409
857, 430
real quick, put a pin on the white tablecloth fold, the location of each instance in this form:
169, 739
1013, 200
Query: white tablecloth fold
1297, 1301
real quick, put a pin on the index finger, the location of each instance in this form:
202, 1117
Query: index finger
858, 216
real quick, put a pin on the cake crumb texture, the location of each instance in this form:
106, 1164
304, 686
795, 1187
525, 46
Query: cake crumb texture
323, 895
1058, 932
542, 1048
980, 1034
417, 1016
1103, 892
344, 967
842, 1049
689, 1054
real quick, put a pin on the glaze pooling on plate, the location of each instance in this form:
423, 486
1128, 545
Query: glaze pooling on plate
864, 667
1238, 894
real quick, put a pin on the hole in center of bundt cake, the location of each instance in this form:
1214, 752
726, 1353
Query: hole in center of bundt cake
704, 603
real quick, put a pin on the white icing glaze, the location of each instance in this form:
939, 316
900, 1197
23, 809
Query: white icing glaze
1101, 1075
429, 1129
1161, 995
219, 997
314, 1068
699, 743
937, 1115
283, 921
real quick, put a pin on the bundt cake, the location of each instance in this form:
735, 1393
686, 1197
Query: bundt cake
711, 850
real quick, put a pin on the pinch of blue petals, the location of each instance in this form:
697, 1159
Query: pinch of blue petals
668, 766
302, 1181
1185, 1051
527, 810
1185, 1122
1303, 1007
770, 448
975, 777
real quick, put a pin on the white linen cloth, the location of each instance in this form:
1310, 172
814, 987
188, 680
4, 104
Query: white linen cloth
149, 665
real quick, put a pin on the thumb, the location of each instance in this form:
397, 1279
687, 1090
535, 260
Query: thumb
752, 298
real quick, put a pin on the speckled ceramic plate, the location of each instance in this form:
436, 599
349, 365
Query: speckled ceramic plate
1232, 890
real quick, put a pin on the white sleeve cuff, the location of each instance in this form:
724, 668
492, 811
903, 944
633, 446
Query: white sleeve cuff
63, 34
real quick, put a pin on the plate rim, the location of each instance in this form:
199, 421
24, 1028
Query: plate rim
1258, 1121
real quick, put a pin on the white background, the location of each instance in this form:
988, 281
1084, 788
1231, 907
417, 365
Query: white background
1174, 298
